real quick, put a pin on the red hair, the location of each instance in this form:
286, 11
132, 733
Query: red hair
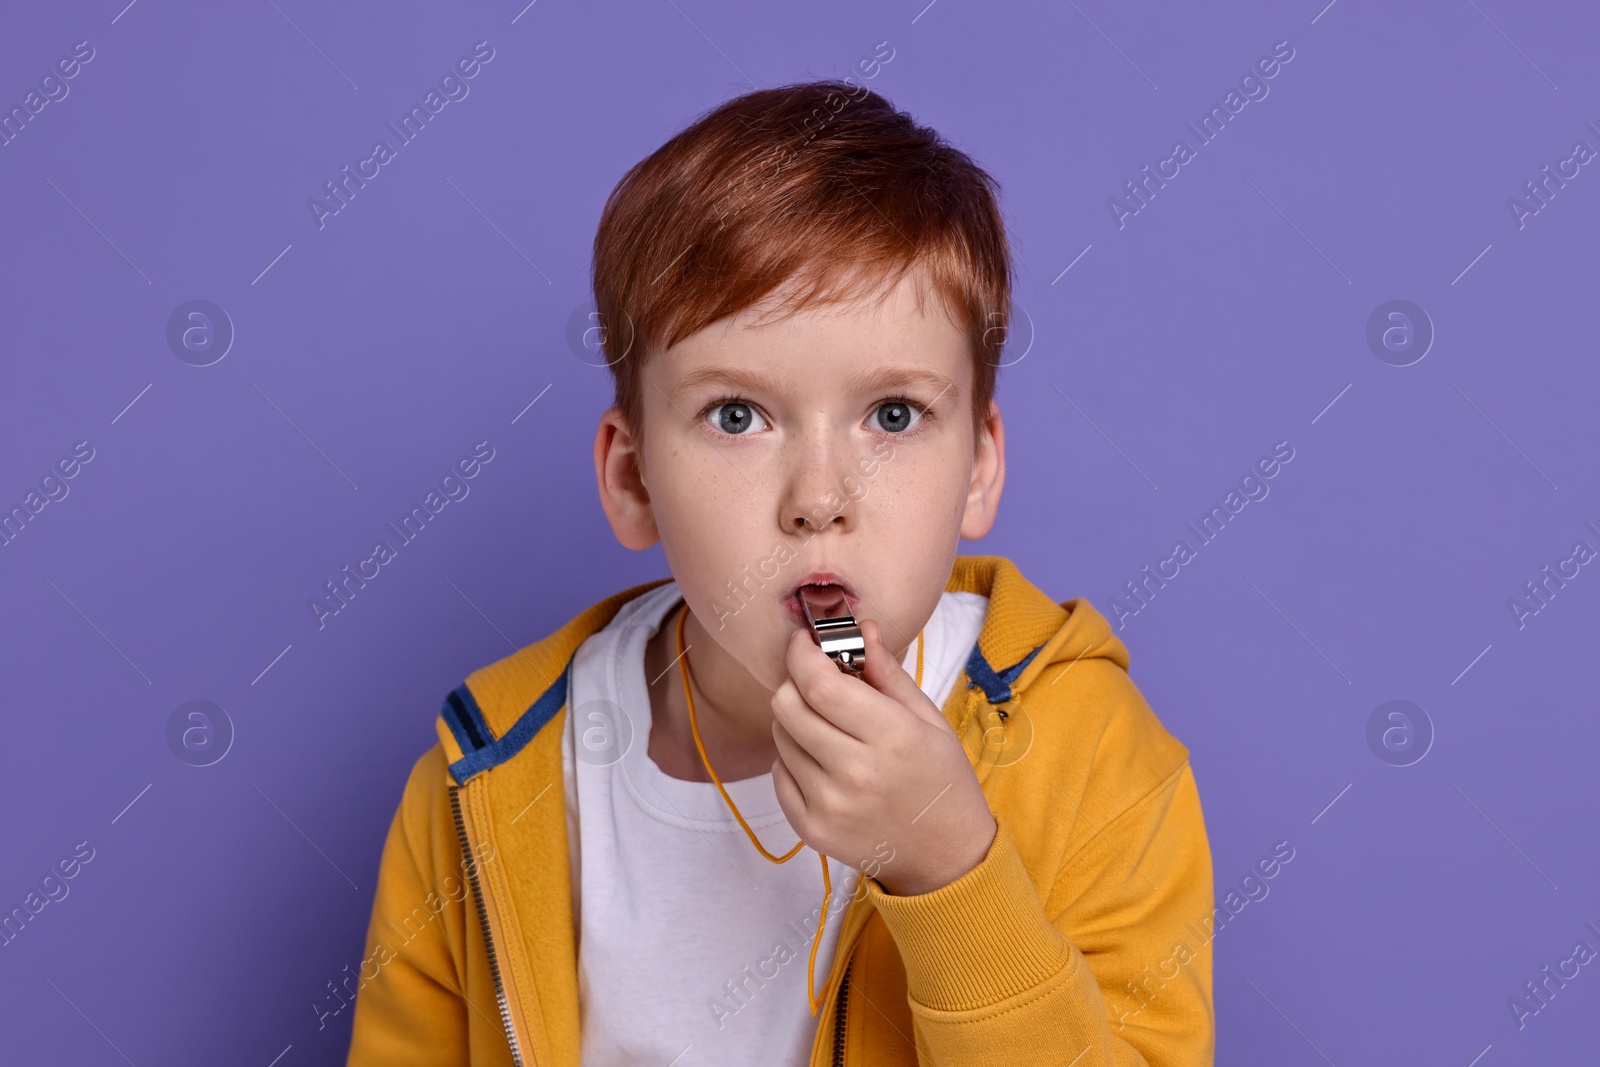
824, 184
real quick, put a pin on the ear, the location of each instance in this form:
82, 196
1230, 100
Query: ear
619, 473
988, 477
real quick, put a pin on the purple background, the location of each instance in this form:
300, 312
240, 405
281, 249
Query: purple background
1228, 314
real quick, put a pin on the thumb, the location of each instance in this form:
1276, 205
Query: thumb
885, 674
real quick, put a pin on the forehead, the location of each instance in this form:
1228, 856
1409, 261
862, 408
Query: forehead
885, 334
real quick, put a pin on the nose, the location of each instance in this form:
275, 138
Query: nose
816, 492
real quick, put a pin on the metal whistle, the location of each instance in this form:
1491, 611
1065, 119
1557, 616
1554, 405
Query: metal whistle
839, 636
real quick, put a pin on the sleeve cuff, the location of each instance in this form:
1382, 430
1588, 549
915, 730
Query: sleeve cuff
979, 940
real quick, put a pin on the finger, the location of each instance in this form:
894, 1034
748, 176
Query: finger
808, 774
885, 673
791, 798
807, 727
855, 710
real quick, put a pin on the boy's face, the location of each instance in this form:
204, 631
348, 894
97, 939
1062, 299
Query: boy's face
838, 439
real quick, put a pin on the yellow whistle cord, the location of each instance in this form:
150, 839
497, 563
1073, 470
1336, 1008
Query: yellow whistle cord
827, 884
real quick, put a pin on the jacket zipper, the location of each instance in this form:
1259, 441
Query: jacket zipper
839, 1016
483, 921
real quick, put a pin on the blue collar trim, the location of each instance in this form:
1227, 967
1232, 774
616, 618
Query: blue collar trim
481, 749
996, 685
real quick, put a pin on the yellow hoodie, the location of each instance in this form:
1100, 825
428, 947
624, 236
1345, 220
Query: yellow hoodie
1082, 937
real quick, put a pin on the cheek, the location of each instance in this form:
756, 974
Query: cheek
926, 487
683, 491
720, 539
717, 518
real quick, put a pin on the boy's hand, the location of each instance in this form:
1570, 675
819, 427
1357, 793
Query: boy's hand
861, 764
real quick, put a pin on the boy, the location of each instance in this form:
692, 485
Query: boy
587, 869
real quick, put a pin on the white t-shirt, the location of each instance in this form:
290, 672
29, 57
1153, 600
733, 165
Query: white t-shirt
692, 946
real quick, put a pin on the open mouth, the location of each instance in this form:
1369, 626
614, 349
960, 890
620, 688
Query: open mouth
827, 601
829, 594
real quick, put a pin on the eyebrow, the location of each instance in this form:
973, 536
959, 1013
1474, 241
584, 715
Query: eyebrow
759, 381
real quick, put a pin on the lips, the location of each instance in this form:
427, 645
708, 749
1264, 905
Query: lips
829, 593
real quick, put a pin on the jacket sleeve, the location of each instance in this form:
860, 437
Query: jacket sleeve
408, 1010
1110, 969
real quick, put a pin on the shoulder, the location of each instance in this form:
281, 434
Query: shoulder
1099, 752
424, 824
1133, 752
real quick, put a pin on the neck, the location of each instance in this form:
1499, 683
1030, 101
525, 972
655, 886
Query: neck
732, 708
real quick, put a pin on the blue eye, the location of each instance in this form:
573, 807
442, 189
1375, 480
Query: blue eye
734, 417
896, 416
